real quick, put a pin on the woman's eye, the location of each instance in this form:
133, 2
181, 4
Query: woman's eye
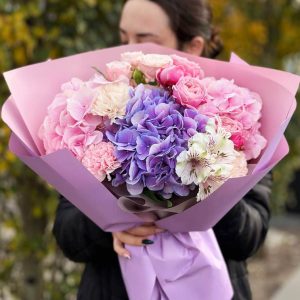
148, 39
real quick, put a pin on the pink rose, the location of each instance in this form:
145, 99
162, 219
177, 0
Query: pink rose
118, 70
169, 76
190, 92
100, 160
190, 68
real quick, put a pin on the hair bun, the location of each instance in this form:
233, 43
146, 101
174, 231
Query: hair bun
214, 46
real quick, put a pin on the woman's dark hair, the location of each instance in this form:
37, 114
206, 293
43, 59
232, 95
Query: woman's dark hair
190, 18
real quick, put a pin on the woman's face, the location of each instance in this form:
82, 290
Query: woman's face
144, 21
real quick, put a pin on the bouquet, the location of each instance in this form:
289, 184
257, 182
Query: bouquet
157, 124
154, 133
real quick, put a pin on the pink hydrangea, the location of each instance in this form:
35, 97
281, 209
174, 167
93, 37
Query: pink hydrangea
240, 111
100, 160
69, 123
254, 142
235, 128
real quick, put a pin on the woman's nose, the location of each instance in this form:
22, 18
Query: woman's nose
132, 40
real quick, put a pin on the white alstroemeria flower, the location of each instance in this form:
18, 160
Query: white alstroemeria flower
209, 160
209, 186
192, 165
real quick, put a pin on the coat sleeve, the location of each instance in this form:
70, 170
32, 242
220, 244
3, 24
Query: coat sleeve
80, 239
243, 229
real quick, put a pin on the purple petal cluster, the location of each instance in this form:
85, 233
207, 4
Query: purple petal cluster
154, 131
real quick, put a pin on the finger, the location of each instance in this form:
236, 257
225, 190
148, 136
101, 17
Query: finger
144, 231
158, 229
119, 248
133, 240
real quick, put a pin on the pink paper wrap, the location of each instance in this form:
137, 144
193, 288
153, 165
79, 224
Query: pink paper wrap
179, 264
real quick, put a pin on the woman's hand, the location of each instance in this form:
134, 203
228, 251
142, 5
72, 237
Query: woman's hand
137, 236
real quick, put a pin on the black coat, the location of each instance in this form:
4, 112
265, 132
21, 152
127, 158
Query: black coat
240, 233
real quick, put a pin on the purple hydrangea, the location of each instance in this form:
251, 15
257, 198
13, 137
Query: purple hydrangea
148, 140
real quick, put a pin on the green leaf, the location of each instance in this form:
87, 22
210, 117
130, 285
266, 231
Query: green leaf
138, 76
169, 204
153, 83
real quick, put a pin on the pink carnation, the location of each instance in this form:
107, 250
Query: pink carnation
100, 160
190, 92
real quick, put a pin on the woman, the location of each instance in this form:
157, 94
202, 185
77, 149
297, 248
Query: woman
184, 25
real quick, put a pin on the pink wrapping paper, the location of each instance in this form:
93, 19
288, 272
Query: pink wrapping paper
33, 88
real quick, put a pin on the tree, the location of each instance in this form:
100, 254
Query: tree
33, 31
265, 33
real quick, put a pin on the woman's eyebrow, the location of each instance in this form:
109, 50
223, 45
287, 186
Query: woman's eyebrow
140, 34
146, 34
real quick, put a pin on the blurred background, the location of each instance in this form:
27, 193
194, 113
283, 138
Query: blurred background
263, 32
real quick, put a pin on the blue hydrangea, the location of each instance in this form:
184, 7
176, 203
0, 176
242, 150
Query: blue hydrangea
149, 138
